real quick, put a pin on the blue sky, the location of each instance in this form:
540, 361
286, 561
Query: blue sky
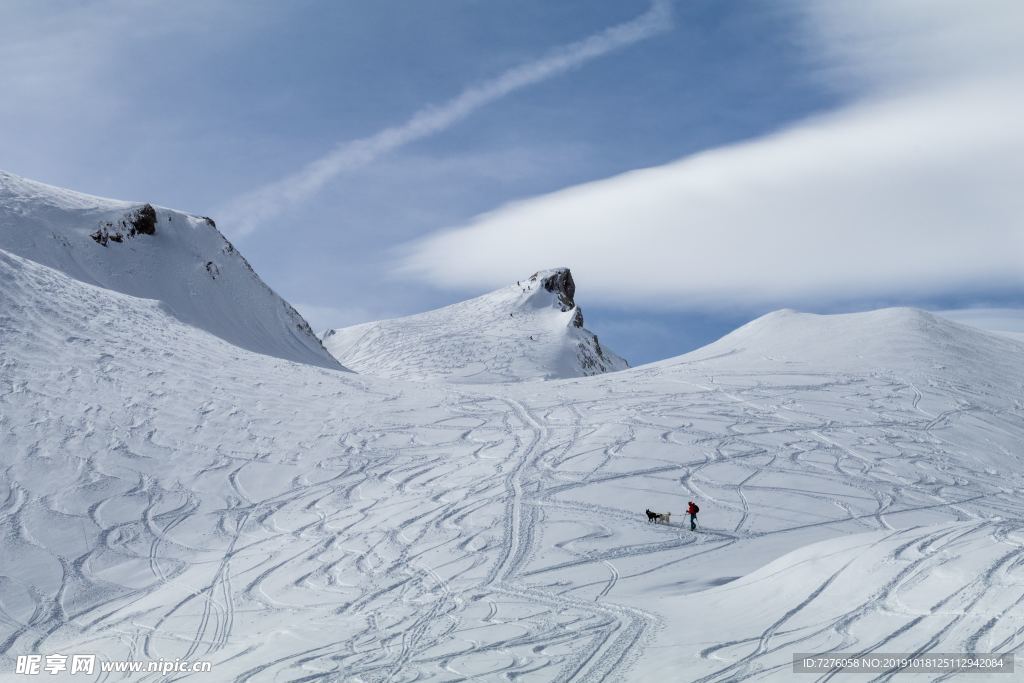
196, 105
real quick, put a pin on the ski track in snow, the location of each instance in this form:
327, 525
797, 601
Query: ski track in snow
165, 494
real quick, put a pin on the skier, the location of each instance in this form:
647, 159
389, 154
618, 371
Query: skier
692, 509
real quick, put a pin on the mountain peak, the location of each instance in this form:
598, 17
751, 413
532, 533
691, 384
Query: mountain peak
529, 330
559, 282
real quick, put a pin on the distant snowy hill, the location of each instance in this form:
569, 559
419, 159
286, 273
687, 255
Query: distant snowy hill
531, 330
860, 341
179, 260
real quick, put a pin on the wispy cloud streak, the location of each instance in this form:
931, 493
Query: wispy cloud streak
250, 210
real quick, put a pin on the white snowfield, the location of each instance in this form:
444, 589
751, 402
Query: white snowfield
531, 330
167, 494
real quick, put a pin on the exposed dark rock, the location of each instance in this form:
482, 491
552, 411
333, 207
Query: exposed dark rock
209, 221
577, 319
143, 222
561, 283
592, 358
212, 269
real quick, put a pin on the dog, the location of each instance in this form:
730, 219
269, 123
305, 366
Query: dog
663, 517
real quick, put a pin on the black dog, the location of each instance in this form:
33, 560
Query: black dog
652, 516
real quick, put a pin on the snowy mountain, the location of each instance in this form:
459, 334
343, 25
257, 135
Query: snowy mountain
166, 494
531, 330
860, 341
180, 260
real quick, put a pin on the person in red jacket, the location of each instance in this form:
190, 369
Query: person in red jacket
692, 509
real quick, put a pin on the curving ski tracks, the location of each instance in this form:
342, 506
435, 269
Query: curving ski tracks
164, 494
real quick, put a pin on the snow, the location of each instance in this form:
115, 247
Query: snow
517, 333
165, 492
186, 264
947, 588
911, 337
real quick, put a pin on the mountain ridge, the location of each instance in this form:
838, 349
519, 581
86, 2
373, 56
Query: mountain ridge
157, 253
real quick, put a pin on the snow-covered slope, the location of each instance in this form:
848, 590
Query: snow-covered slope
166, 494
180, 260
945, 588
527, 331
862, 341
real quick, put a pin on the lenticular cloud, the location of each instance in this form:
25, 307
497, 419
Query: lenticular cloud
909, 190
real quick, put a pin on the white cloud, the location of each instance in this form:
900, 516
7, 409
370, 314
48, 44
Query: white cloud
891, 45
913, 190
259, 206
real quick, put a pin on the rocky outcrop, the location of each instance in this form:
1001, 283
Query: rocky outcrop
141, 221
593, 360
559, 282
577, 319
